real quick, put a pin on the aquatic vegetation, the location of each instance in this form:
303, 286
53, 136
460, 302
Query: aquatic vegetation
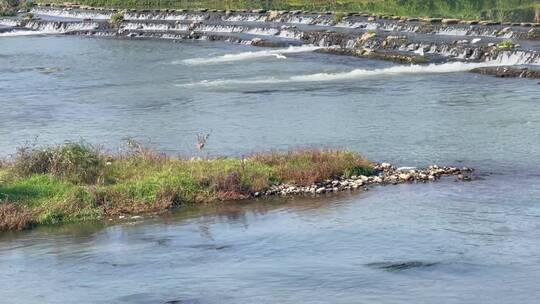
76, 181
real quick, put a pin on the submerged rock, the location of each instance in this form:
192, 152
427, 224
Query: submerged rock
507, 71
400, 266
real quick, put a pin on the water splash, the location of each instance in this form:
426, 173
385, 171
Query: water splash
278, 53
18, 33
40, 28
71, 14
505, 58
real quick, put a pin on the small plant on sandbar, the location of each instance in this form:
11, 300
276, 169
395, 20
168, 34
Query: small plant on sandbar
506, 45
338, 17
117, 19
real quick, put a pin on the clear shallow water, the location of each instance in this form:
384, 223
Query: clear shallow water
454, 242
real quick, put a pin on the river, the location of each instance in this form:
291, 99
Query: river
450, 242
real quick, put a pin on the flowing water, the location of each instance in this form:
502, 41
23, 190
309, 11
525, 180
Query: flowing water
449, 242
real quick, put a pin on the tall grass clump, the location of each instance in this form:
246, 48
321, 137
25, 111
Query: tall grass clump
8, 7
338, 17
117, 19
74, 162
307, 167
76, 181
14, 217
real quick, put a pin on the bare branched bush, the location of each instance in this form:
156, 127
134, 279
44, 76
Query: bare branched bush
202, 140
137, 149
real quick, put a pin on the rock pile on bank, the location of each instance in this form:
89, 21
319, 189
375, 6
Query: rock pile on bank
386, 174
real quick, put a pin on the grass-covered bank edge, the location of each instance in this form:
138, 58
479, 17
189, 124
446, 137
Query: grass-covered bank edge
76, 182
10, 7
497, 10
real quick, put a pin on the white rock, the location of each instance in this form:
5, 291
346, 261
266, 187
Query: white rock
406, 168
404, 176
386, 165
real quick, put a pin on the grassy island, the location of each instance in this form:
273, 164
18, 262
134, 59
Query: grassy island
76, 182
499, 10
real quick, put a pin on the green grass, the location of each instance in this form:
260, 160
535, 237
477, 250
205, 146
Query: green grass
76, 182
10, 7
117, 18
500, 10
506, 45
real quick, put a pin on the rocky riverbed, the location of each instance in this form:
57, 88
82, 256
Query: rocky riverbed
508, 72
386, 174
393, 38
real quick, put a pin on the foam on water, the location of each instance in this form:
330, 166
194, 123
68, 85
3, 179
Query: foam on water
9, 22
72, 14
506, 58
249, 55
18, 33
61, 27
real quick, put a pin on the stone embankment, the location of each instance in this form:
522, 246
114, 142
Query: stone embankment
387, 174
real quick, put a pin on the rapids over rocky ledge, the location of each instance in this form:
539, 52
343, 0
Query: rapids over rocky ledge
403, 40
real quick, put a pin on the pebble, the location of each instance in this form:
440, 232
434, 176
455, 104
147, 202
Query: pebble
386, 174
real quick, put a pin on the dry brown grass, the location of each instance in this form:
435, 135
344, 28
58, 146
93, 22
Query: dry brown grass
307, 167
13, 217
230, 187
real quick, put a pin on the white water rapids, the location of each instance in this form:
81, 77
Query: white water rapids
507, 59
277, 53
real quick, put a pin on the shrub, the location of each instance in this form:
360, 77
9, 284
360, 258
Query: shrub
338, 17
28, 4
74, 162
117, 19
6, 13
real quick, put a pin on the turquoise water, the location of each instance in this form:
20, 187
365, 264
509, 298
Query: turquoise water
451, 242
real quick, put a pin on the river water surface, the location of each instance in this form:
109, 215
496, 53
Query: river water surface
449, 242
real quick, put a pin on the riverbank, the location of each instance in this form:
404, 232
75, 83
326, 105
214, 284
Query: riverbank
76, 182
509, 10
